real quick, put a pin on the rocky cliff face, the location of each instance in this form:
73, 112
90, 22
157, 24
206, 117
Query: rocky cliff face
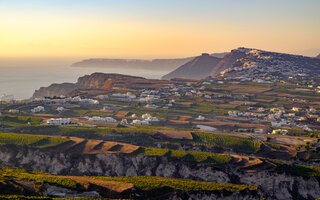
273, 185
55, 90
93, 81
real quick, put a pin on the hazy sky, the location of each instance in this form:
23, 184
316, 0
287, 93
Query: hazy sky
150, 28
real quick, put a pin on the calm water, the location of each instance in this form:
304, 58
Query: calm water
23, 81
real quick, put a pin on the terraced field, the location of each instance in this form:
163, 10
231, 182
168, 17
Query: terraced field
25, 182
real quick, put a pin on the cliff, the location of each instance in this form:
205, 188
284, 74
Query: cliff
273, 184
55, 90
100, 81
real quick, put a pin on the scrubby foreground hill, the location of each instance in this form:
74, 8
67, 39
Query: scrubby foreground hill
121, 174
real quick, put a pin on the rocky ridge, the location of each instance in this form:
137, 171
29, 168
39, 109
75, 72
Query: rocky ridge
273, 184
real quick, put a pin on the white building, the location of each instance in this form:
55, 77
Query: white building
153, 106
38, 109
200, 118
58, 121
60, 109
102, 97
208, 128
102, 119
14, 111
280, 131
140, 122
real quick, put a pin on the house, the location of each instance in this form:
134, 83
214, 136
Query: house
124, 122
140, 122
258, 130
280, 131
14, 111
153, 106
60, 109
102, 119
295, 109
149, 118
208, 128
200, 118
102, 97
58, 121
38, 109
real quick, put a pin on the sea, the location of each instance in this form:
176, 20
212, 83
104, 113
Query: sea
22, 81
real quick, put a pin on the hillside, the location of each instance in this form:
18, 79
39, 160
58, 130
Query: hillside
248, 63
197, 68
258, 64
318, 56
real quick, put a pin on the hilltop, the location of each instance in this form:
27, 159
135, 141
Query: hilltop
250, 63
197, 68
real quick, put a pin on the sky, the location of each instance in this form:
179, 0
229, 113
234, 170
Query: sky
156, 29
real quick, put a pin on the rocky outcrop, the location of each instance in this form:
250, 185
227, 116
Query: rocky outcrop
198, 68
98, 81
274, 185
55, 90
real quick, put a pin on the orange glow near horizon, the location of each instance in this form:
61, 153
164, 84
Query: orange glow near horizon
46, 35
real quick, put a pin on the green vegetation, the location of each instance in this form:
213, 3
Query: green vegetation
196, 156
30, 140
140, 182
299, 170
37, 176
151, 182
20, 197
227, 142
19, 121
295, 169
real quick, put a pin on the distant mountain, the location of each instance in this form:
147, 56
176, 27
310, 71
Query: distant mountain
156, 64
197, 68
318, 56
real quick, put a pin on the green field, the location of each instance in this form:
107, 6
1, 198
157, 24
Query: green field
141, 182
152, 182
226, 142
196, 156
19, 121
30, 140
